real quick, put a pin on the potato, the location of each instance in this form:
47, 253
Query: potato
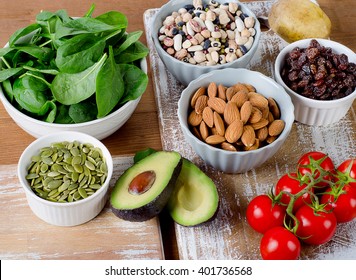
298, 19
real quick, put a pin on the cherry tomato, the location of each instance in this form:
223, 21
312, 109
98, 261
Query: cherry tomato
348, 170
311, 163
315, 227
262, 213
290, 183
342, 201
278, 243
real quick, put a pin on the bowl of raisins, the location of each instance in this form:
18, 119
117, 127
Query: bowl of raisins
320, 77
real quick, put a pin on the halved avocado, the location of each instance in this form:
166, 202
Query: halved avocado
144, 189
195, 199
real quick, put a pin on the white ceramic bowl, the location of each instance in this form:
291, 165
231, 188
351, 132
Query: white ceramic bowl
185, 72
99, 128
309, 111
71, 213
241, 161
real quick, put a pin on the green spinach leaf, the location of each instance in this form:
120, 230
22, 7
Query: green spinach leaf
129, 40
79, 53
109, 86
29, 99
83, 112
134, 52
8, 73
135, 81
70, 89
24, 34
63, 114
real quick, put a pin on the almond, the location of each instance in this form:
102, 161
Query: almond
230, 91
257, 100
241, 87
215, 139
270, 139
276, 127
234, 131
196, 132
219, 124
200, 91
270, 117
261, 123
273, 107
231, 112
256, 115
245, 111
222, 92
250, 87
204, 131
228, 147
212, 90
239, 98
201, 103
255, 146
208, 116
194, 119
265, 112
217, 104
248, 136
262, 133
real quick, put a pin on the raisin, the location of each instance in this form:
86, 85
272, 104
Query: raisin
318, 73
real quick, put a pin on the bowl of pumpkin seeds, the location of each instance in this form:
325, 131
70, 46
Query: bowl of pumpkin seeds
66, 177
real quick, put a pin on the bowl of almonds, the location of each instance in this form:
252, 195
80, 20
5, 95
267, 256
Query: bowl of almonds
193, 37
235, 119
65, 176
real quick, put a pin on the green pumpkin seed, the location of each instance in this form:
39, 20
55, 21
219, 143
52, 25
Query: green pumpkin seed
67, 171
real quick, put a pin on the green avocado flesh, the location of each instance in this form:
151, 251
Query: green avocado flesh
149, 202
195, 198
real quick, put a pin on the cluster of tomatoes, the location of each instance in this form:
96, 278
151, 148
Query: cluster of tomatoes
304, 206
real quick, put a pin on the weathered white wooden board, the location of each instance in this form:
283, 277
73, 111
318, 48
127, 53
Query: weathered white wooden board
24, 236
229, 236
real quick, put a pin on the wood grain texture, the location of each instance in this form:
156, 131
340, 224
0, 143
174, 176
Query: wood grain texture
229, 236
24, 236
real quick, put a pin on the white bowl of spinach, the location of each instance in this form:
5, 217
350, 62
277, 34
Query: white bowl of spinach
85, 74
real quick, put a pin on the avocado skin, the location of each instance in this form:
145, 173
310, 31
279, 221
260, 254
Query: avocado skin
153, 208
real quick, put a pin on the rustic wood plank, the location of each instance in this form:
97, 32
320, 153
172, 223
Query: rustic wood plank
229, 236
24, 236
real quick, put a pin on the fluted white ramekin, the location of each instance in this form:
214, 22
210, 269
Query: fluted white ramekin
309, 111
71, 213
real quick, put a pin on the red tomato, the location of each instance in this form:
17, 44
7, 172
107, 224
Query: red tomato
262, 214
311, 163
342, 202
278, 243
315, 227
291, 184
348, 170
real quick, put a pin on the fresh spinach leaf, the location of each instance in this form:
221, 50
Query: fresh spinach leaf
129, 40
116, 19
52, 108
23, 33
7, 88
109, 86
8, 73
83, 112
135, 81
134, 52
63, 114
70, 89
79, 53
29, 99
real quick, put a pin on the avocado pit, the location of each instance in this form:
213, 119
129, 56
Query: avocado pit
142, 182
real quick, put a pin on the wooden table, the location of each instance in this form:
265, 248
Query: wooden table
141, 131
